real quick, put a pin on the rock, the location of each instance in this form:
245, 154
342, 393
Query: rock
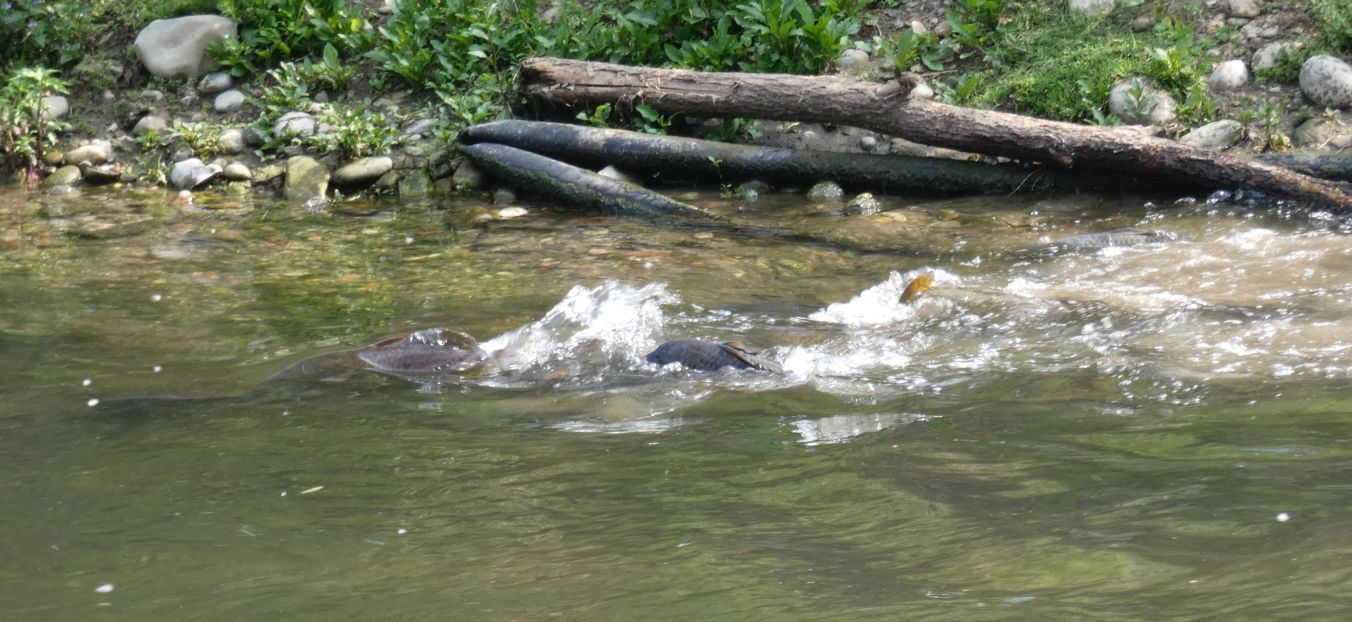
1143, 22
1324, 133
504, 196
850, 58
63, 176
1266, 56
413, 184
149, 123
923, 90
214, 82
53, 157
868, 143
152, 95
231, 141
387, 182
294, 124
96, 152
228, 102
268, 173
362, 172
176, 48
1216, 136
826, 191
862, 205
1136, 102
1327, 81
419, 127
305, 179
511, 212
191, 173
466, 177
100, 175
1243, 8
237, 171
55, 107
1091, 8
611, 172
1229, 75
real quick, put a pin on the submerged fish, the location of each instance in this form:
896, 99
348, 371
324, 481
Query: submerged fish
710, 356
1111, 239
431, 354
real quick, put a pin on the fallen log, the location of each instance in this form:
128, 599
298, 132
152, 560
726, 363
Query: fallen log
889, 109
1335, 167
670, 158
570, 185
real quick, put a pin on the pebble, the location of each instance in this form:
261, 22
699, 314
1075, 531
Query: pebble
511, 212
1229, 75
228, 102
828, 191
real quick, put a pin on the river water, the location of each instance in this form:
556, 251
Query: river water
1152, 432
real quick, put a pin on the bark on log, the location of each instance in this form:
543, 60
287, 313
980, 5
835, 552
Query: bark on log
889, 109
1336, 166
573, 186
673, 158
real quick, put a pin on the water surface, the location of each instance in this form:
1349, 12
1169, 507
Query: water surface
1120, 434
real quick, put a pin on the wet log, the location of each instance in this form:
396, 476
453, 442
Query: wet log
1336, 166
670, 158
573, 186
889, 109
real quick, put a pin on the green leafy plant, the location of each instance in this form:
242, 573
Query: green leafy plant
1197, 106
1335, 22
356, 132
203, 138
651, 121
277, 30
24, 129
1286, 67
1270, 116
41, 32
599, 116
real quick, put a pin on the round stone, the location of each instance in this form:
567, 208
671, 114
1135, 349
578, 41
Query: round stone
1327, 81
228, 101
1229, 75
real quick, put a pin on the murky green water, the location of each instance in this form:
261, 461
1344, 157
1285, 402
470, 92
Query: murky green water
1158, 432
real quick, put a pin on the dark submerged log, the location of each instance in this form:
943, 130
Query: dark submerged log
1336, 167
673, 158
889, 109
574, 186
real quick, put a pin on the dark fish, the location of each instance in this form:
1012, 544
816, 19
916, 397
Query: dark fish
710, 356
434, 351
1112, 239
429, 353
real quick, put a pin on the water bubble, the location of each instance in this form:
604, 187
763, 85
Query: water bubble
93, 401
157, 369
86, 382
1283, 517
156, 298
408, 239
104, 589
401, 531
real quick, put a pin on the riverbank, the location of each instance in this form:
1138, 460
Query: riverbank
314, 101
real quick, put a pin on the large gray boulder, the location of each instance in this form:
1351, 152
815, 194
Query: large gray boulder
176, 48
1327, 81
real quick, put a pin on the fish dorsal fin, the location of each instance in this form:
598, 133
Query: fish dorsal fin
916, 287
739, 351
